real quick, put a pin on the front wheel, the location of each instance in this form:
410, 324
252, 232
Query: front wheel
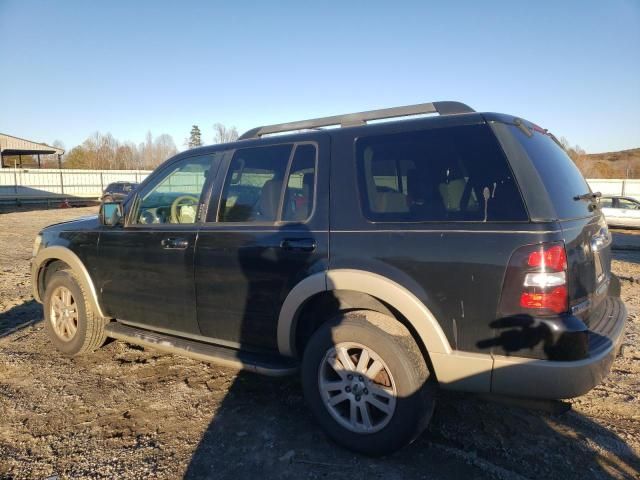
69, 319
367, 383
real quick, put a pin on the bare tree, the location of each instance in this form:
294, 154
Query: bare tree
164, 148
224, 134
103, 151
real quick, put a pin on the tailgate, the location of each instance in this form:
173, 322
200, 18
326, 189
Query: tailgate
584, 229
588, 245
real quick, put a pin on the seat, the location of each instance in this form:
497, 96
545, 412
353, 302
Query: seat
391, 202
298, 203
269, 200
425, 201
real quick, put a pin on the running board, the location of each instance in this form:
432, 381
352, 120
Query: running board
265, 364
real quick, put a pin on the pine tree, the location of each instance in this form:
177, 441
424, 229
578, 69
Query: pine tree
195, 139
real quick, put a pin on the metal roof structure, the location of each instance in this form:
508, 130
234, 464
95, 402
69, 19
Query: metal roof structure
10, 145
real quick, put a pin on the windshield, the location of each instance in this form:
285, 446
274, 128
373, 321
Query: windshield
118, 188
559, 174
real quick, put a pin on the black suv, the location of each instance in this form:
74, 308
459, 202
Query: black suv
118, 191
463, 251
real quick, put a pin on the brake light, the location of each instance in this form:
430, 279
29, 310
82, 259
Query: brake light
555, 300
536, 281
553, 258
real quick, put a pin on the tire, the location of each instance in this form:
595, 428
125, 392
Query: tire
88, 334
409, 389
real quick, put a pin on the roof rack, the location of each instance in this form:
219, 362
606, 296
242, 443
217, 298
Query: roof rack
360, 118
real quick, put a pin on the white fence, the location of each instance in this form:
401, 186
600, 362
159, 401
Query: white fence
611, 186
18, 184
28, 185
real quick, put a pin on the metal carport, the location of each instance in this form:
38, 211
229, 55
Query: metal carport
12, 146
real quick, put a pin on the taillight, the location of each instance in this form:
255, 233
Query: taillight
554, 300
536, 281
553, 258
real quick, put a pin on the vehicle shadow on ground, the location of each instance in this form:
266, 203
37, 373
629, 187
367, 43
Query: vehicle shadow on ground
19, 317
263, 428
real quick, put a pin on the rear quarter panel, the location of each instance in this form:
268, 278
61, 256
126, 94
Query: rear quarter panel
457, 273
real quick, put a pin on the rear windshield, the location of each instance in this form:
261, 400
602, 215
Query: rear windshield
559, 174
456, 174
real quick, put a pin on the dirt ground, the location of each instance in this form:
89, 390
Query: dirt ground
127, 412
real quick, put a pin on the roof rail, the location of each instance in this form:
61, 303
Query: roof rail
360, 118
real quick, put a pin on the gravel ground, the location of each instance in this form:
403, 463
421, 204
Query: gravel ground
127, 412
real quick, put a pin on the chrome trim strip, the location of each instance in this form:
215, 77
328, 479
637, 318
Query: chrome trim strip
405, 231
580, 307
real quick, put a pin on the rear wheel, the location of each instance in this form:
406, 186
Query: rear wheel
367, 382
69, 319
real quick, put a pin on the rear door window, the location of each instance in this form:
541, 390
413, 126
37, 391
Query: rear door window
270, 184
560, 175
301, 184
254, 182
452, 174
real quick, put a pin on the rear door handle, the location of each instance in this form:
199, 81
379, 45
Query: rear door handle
299, 244
174, 243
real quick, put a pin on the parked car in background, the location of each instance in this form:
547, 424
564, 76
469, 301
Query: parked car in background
117, 191
621, 211
463, 251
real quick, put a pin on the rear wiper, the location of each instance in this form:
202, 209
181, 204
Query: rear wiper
588, 196
592, 197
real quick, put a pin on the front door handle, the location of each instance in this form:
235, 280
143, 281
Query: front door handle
174, 243
299, 244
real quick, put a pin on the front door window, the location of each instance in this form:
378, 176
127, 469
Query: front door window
174, 197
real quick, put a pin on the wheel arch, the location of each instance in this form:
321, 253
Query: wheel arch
48, 255
384, 295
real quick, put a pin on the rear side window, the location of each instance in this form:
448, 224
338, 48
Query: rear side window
439, 175
560, 176
269, 184
253, 186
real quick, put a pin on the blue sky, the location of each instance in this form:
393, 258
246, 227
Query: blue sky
70, 68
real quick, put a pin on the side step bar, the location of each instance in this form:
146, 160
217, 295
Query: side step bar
272, 365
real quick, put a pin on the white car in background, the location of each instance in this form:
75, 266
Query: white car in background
621, 211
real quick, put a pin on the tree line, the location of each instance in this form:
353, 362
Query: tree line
221, 134
623, 164
104, 152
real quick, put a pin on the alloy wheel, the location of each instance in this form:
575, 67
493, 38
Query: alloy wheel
357, 387
63, 313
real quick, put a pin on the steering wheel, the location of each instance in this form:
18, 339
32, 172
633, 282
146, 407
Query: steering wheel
177, 203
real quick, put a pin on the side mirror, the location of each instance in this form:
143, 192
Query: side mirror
111, 213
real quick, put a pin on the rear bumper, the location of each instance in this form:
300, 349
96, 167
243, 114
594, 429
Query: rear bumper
532, 378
